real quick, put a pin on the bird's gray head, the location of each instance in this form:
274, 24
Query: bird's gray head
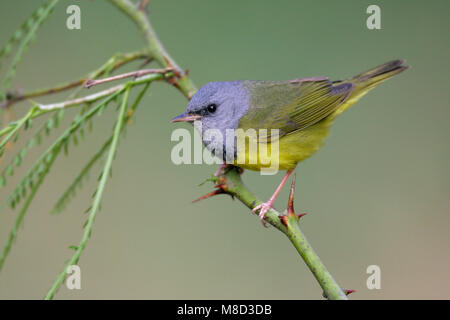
217, 105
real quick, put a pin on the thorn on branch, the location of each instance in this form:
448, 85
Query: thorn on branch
211, 194
348, 291
283, 220
299, 215
221, 188
290, 207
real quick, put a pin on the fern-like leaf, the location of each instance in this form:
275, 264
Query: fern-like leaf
62, 141
27, 31
21, 215
71, 190
50, 124
13, 134
36, 174
98, 196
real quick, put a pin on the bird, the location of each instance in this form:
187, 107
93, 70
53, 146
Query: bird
301, 112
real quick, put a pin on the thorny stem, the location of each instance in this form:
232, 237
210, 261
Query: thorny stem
288, 223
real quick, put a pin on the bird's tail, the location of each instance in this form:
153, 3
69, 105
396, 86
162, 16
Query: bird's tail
366, 81
369, 79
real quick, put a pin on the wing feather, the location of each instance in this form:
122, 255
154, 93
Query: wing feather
293, 105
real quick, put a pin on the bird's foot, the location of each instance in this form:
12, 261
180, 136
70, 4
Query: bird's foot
224, 167
263, 208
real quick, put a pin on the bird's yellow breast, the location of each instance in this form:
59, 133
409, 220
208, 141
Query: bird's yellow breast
292, 148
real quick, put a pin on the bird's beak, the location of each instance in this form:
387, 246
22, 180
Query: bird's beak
186, 117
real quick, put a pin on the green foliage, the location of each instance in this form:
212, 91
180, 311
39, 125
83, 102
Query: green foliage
23, 37
63, 141
15, 126
34, 188
97, 197
26, 189
78, 181
70, 192
27, 123
33, 178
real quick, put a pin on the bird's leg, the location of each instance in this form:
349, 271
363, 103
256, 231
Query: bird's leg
221, 168
266, 206
224, 166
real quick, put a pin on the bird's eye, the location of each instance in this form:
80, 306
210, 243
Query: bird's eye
211, 108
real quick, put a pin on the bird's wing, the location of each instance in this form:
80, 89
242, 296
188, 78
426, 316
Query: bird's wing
291, 105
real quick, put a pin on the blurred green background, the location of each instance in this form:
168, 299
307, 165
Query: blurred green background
377, 193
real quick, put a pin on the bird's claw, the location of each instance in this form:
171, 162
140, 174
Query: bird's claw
262, 208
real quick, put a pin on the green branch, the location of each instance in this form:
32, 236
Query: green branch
288, 223
112, 64
154, 46
16, 128
97, 199
43, 109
